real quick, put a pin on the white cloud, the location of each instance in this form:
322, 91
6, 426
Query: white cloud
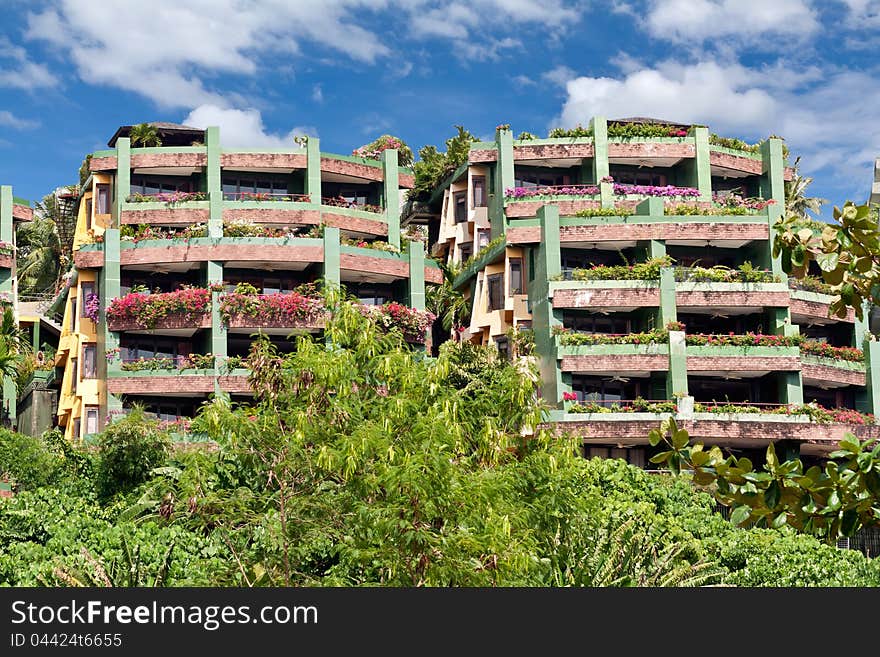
559, 75
522, 81
241, 128
19, 72
863, 13
168, 56
748, 20
813, 109
317, 94
483, 29
9, 120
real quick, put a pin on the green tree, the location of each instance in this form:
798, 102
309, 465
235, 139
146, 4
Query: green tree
128, 450
433, 167
144, 134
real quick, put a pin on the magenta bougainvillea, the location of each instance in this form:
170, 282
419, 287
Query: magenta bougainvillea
93, 307
284, 307
147, 309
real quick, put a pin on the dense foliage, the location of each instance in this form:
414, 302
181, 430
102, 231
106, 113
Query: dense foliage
362, 462
433, 166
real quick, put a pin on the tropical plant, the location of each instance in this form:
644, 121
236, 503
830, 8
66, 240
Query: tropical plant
829, 502
42, 257
797, 203
144, 135
448, 303
847, 252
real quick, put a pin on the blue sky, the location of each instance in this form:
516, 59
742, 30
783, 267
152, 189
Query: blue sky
72, 71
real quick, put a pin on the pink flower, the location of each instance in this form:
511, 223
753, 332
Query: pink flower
569, 396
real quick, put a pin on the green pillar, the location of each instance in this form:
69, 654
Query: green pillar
600, 160
109, 289
702, 168
668, 308
417, 275
392, 195
504, 179
7, 227
218, 344
791, 388
547, 265
772, 182
123, 178
780, 322
651, 207
676, 378
313, 170
215, 190
860, 329
35, 336
872, 382
7, 223
332, 276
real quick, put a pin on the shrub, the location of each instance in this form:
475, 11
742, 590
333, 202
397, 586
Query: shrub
643, 271
128, 450
27, 460
147, 309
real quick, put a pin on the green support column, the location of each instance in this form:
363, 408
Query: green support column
218, 342
392, 195
676, 378
313, 170
109, 289
123, 178
215, 190
548, 264
7, 223
860, 328
872, 383
772, 182
35, 336
780, 322
651, 207
504, 177
416, 280
10, 393
600, 160
332, 277
791, 388
702, 168
668, 308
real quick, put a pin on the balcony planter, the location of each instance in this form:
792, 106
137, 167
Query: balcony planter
184, 308
289, 311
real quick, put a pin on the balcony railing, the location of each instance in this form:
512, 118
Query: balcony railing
339, 202
266, 196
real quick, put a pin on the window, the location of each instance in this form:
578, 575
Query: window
90, 361
87, 289
76, 428
88, 213
479, 184
75, 370
525, 177
459, 200
91, 420
103, 192
234, 187
516, 277
644, 176
531, 264
634, 456
483, 238
496, 291
72, 313
503, 348
152, 185
467, 250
